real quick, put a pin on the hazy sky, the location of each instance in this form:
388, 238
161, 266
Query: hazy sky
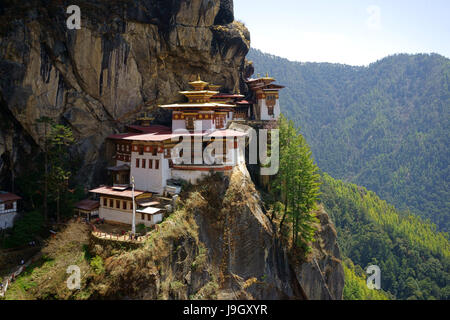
355, 32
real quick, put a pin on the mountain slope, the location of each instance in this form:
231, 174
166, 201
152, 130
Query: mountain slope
219, 244
385, 126
414, 259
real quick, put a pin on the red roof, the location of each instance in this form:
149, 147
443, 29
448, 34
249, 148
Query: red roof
8, 196
139, 130
226, 95
120, 135
87, 205
111, 192
182, 133
274, 86
154, 128
243, 102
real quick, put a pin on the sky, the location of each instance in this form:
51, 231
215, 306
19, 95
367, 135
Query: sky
354, 32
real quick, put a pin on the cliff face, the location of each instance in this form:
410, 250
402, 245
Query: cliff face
134, 54
127, 55
221, 245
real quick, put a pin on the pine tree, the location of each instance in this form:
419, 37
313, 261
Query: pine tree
297, 183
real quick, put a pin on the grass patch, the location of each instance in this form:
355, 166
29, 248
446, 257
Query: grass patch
24, 230
97, 265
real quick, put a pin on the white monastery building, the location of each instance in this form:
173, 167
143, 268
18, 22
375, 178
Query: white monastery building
199, 142
8, 209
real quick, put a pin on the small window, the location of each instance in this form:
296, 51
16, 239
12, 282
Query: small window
189, 122
154, 151
8, 206
149, 217
142, 216
111, 203
156, 164
137, 163
105, 202
143, 163
118, 204
141, 150
150, 163
124, 205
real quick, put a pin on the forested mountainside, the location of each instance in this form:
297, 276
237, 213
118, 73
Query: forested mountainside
385, 126
414, 259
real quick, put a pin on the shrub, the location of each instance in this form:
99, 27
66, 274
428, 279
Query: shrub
97, 265
25, 230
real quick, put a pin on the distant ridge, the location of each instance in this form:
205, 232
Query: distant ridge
384, 126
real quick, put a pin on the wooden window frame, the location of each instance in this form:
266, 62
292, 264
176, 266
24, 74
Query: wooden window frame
137, 162
188, 124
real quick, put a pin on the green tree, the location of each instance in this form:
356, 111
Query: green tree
297, 183
45, 123
59, 140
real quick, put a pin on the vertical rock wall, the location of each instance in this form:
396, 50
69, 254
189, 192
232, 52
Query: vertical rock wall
128, 55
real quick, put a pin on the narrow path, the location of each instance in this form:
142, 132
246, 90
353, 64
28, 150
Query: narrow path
18, 270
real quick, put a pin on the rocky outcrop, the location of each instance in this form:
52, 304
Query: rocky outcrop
128, 55
221, 245
322, 276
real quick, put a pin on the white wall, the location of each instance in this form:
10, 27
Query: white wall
14, 208
203, 124
264, 114
7, 220
152, 180
178, 124
126, 217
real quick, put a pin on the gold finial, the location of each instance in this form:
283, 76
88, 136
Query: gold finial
198, 77
267, 74
214, 87
258, 75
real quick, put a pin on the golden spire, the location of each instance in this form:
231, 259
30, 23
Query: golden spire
145, 119
198, 85
213, 87
268, 78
